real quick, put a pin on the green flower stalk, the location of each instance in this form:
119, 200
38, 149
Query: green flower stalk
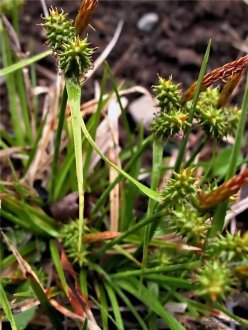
168, 94
215, 281
181, 188
190, 223
229, 247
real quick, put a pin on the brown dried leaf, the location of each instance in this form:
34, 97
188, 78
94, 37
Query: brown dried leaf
95, 237
84, 14
224, 191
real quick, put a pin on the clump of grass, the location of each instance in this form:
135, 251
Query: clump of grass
186, 252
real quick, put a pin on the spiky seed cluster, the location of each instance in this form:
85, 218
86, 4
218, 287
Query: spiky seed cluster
59, 29
229, 247
214, 281
69, 236
75, 57
217, 123
171, 119
73, 54
181, 188
191, 224
166, 125
167, 94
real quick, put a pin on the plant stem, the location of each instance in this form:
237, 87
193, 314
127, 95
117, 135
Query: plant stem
156, 169
196, 152
184, 142
74, 98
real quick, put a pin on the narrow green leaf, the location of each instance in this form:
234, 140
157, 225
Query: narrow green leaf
103, 308
147, 191
132, 285
21, 64
54, 169
74, 98
184, 142
157, 158
134, 229
57, 263
115, 306
7, 309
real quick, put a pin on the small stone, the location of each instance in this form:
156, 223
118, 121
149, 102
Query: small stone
142, 110
188, 57
147, 22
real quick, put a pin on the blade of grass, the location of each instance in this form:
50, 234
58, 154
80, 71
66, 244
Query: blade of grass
21, 64
7, 309
10, 82
184, 142
147, 191
74, 98
220, 213
154, 270
157, 157
103, 308
57, 263
147, 298
115, 306
129, 165
54, 169
131, 230
242, 322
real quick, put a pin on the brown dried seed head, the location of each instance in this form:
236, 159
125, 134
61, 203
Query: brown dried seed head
224, 191
84, 14
221, 73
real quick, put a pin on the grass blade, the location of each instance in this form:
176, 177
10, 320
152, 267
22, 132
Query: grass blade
74, 98
57, 263
147, 191
115, 306
54, 169
184, 142
148, 298
156, 169
21, 64
7, 309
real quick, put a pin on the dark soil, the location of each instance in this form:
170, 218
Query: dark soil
175, 45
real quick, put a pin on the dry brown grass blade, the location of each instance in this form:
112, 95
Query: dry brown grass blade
226, 190
96, 237
84, 14
228, 88
221, 73
23, 265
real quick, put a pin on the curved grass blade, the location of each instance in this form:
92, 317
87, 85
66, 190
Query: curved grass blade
21, 64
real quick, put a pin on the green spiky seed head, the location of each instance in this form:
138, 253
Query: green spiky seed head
168, 94
214, 122
69, 237
209, 97
182, 187
58, 29
190, 223
166, 125
75, 57
214, 281
229, 247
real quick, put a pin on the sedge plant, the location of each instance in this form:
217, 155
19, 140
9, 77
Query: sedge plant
177, 246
